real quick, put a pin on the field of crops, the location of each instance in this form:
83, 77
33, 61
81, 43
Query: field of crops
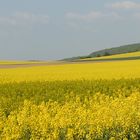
76, 71
117, 56
19, 62
71, 101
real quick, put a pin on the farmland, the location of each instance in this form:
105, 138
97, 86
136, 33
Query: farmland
119, 56
10, 62
73, 71
94, 100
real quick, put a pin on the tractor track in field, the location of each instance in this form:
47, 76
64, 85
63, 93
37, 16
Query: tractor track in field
51, 63
8, 66
12, 66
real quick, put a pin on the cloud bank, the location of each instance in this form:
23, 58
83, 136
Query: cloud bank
91, 16
24, 18
87, 17
125, 5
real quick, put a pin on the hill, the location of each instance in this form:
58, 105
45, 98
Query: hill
110, 51
117, 50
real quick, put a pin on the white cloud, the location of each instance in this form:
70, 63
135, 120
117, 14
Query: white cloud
87, 22
125, 5
7, 20
136, 15
24, 18
92, 16
87, 17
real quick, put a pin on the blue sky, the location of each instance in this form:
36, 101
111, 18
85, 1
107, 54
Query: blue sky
52, 29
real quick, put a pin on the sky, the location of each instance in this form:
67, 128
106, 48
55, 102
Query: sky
56, 29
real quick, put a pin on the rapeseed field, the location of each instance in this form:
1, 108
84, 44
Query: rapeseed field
76, 71
87, 101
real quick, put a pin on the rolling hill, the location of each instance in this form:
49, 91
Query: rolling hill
107, 53
117, 50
